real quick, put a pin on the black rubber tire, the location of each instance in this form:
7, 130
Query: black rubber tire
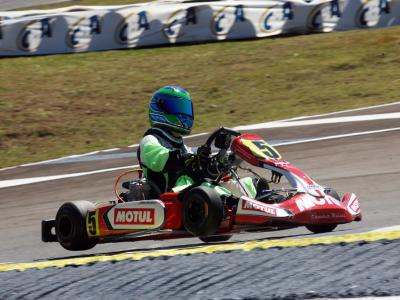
71, 226
321, 228
215, 238
202, 211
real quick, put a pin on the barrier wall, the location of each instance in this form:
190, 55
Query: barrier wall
79, 28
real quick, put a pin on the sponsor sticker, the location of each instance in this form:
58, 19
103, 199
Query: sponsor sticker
254, 206
307, 202
354, 206
327, 216
134, 216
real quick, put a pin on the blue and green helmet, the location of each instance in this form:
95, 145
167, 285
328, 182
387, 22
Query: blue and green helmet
172, 107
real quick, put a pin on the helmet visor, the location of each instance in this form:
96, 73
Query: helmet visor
173, 105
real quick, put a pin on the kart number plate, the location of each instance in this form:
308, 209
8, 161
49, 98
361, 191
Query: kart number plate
92, 223
262, 149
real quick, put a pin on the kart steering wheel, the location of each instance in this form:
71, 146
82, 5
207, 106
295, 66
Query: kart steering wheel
221, 138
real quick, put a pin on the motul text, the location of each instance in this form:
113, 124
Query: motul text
247, 205
129, 216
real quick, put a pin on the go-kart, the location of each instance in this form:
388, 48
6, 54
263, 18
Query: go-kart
143, 213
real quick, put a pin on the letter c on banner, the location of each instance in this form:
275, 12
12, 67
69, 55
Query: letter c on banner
273, 19
31, 35
131, 28
174, 25
223, 21
370, 12
325, 16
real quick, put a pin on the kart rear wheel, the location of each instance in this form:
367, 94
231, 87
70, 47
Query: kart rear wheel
202, 211
215, 238
321, 228
71, 226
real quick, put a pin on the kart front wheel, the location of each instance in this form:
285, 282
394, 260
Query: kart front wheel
215, 238
321, 228
71, 226
202, 211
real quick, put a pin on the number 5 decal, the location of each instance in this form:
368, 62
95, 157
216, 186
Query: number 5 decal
262, 149
92, 223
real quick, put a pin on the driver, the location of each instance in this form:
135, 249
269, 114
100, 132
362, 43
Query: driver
162, 154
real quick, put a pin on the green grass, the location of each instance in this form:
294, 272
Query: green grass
66, 104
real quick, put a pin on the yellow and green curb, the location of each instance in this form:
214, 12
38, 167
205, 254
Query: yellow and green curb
207, 249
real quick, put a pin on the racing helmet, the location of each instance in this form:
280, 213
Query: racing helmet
172, 107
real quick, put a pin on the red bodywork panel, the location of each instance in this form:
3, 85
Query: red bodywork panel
173, 211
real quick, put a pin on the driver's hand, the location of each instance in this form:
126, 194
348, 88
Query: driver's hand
204, 151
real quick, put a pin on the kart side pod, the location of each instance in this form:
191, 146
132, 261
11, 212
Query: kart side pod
251, 211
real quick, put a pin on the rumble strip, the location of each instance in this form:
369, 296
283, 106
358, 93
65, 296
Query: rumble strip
208, 249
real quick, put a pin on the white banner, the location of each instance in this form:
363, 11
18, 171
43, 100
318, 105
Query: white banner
91, 28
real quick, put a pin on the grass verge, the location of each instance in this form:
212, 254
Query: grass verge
67, 104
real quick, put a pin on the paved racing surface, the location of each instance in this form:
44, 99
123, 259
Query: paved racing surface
359, 155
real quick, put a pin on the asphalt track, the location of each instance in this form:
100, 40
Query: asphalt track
366, 164
355, 151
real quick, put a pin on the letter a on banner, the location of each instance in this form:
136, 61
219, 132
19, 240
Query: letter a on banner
335, 9
142, 22
287, 11
46, 28
191, 16
239, 13
95, 25
384, 7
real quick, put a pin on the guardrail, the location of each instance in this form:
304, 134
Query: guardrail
91, 28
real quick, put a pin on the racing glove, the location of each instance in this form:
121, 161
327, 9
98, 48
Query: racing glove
204, 151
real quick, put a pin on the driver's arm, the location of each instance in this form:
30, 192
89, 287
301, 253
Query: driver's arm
159, 158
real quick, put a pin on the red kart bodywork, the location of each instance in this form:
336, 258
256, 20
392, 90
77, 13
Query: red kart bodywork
306, 204
311, 205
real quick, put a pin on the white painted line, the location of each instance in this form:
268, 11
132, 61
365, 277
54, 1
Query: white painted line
390, 228
22, 181
351, 110
361, 118
51, 160
336, 136
201, 134
110, 150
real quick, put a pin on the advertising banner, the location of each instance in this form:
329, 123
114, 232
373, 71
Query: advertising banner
93, 28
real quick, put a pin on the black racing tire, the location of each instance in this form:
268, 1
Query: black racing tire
71, 226
332, 193
202, 211
215, 238
321, 228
